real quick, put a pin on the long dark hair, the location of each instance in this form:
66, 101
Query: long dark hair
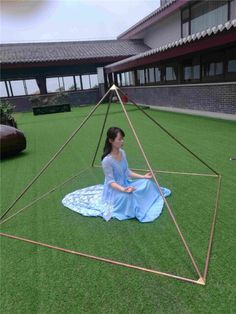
111, 135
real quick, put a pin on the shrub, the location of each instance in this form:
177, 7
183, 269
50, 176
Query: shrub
6, 110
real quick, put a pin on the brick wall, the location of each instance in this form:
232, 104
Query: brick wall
22, 103
211, 97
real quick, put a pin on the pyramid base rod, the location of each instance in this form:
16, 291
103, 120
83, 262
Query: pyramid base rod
212, 230
170, 172
200, 281
43, 196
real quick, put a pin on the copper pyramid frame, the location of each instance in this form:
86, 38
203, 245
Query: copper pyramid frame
114, 90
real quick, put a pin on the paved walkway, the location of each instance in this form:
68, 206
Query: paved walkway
225, 116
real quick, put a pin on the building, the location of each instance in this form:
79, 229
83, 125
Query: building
192, 60
43, 69
182, 56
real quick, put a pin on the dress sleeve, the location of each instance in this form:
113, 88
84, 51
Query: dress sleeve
108, 171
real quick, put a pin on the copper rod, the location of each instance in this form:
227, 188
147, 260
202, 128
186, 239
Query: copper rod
212, 229
171, 172
102, 130
182, 173
54, 157
159, 188
171, 135
41, 197
102, 259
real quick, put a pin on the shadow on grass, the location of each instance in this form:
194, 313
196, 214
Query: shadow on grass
18, 156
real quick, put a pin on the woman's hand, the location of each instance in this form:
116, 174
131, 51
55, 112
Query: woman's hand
129, 189
147, 175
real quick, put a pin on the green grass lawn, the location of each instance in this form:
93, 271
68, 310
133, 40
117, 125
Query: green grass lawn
36, 279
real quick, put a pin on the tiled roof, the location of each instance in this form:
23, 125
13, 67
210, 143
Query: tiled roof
76, 50
194, 37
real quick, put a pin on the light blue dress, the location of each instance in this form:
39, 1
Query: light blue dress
144, 204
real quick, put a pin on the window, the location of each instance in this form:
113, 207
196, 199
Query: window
32, 87
85, 82
131, 78
3, 90
68, 83
191, 73
213, 68
158, 74
191, 70
118, 79
53, 85
123, 82
208, 14
125, 79
78, 82
89, 81
231, 66
18, 88
141, 77
202, 15
71, 83
151, 75
171, 73
185, 23
94, 80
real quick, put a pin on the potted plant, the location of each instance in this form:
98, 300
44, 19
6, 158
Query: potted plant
6, 110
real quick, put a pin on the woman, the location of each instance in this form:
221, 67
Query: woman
119, 197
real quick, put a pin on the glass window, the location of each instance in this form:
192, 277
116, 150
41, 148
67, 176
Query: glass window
232, 65
32, 87
146, 72
118, 79
158, 74
126, 74
78, 82
185, 22
196, 72
185, 14
18, 88
141, 77
191, 72
85, 82
170, 73
218, 68
151, 75
3, 90
131, 78
61, 84
122, 79
208, 14
185, 29
68, 83
213, 68
94, 80
52, 84
187, 73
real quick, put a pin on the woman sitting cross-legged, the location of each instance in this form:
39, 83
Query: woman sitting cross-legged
119, 197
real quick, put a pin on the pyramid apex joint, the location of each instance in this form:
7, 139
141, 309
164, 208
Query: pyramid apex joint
113, 87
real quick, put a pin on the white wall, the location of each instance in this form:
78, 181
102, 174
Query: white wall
164, 32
